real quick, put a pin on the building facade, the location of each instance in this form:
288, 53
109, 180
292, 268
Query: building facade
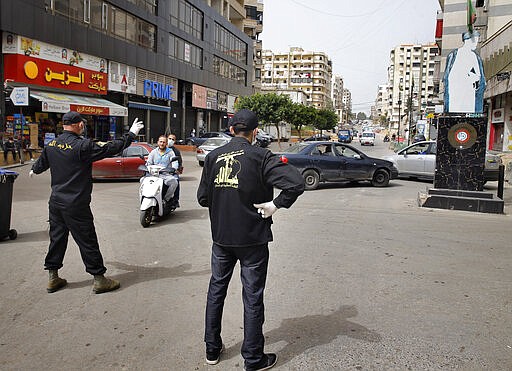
306, 71
177, 65
337, 98
411, 84
494, 23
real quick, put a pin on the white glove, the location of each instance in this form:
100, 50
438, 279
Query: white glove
266, 209
31, 174
136, 126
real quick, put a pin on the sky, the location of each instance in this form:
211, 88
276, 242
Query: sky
357, 35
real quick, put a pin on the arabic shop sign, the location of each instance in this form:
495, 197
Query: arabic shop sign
40, 72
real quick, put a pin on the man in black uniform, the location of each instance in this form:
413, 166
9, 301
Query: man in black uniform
237, 185
69, 158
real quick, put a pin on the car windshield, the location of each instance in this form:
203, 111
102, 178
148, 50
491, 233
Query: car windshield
296, 148
344, 132
220, 141
368, 135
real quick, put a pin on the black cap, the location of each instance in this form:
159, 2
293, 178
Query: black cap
244, 120
72, 117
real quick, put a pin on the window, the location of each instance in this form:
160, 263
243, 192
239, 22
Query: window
148, 5
229, 44
184, 51
187, 18
230, 71
110, 20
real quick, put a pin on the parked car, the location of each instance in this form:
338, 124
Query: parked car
197, 141
419, 161
272, 137
209, 145
332, 161
124, 166
263, 140
344, 136
318, 137
367, 138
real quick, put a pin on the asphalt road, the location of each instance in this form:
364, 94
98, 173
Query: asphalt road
360, 278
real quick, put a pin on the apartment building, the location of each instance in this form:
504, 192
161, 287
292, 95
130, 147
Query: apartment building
382, 102
297, 69
337, 97
411, 81
347, 103
177, 65
494, 23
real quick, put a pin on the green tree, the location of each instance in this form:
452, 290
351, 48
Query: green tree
361, 116
326, 119
299, 115
271, 108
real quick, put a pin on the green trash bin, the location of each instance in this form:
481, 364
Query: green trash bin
6, 185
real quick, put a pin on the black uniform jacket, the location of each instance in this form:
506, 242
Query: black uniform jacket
69, 158
236, 176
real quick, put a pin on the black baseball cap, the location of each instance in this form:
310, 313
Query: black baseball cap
72, 117
244, 120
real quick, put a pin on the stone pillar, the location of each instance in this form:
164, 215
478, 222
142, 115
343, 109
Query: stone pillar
461, 147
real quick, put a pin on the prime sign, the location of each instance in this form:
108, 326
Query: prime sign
20, 96
159, 90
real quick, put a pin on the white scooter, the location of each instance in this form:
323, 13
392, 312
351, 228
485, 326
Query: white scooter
151, 195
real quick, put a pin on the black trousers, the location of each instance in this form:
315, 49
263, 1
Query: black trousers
253, 273
80, 222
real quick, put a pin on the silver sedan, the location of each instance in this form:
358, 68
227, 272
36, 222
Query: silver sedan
419, 161
209, 145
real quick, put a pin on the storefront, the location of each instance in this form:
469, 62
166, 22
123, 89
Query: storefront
59, 80
211, 108
155, 103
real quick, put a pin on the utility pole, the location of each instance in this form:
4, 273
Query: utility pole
410, 112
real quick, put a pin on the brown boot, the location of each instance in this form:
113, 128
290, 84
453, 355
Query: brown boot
103, 284
55, 283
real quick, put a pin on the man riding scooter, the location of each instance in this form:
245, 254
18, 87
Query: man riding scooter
162, 155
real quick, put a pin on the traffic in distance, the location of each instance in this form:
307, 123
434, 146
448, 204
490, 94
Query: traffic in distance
320, 158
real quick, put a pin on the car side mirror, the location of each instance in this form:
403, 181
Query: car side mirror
142, 157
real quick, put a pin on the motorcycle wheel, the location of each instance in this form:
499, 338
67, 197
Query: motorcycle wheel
145, 217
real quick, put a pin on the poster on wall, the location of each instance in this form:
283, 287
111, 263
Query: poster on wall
198, 96
16, 44
211, 99
122, 77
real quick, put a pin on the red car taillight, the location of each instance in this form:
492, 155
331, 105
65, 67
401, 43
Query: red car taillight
199, 150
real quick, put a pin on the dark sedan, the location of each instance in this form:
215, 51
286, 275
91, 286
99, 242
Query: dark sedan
197, 141
124, 166
334, 162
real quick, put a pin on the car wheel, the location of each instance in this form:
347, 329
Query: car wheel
380, 178
311, 180
201, 163
146, 216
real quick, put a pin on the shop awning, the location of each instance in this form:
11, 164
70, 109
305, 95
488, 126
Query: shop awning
62, 103
152, 107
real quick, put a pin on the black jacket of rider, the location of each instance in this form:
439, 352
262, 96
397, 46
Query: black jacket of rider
236, 176
69, 158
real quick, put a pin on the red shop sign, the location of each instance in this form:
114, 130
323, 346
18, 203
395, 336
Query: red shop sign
21, 68
90, 110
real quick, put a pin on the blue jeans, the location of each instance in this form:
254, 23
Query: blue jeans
253, 273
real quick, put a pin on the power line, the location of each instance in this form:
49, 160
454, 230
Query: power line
341, 15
